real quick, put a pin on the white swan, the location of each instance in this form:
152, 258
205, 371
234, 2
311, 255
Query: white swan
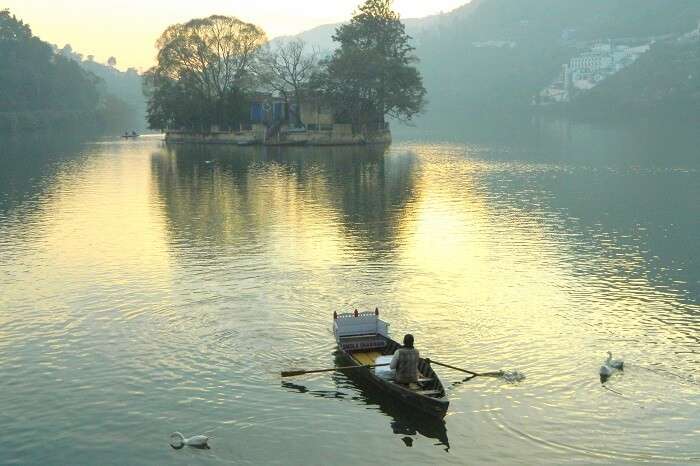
614, 363
177, 441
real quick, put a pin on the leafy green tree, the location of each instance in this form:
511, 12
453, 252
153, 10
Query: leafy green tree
12, 29
371, 75
207, 64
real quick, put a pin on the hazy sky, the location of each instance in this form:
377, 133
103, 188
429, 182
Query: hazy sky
128, 29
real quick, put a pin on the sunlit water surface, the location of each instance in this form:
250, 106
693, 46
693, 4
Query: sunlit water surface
147, 289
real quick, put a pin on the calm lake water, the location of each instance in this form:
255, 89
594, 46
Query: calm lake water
147, 289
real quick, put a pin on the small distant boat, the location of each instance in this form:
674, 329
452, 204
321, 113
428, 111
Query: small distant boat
363, 339
132, 135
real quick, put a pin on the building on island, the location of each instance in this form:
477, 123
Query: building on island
275, 120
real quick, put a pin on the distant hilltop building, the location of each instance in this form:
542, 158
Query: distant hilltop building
590, 68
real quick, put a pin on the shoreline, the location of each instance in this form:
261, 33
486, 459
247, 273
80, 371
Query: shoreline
338, 135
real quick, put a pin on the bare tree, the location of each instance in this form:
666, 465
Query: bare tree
217, 52
288, 68
112, 61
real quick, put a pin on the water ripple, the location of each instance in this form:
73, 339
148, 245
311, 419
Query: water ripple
144, 291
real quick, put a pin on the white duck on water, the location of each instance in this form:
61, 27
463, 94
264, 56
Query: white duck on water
177, 441
610, 366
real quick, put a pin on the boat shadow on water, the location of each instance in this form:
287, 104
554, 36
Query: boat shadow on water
404, 421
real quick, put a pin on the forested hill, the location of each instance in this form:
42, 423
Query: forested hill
494, 56
501, 54
321, 37
125, 86
40, 89
533, 20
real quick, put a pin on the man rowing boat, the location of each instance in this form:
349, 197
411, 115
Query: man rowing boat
405, 362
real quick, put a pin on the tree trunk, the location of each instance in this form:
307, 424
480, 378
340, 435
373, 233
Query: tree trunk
298, 123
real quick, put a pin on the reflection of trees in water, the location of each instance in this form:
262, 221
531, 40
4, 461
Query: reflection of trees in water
235, 194
29, 159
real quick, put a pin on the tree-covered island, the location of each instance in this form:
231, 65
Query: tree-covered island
218, 79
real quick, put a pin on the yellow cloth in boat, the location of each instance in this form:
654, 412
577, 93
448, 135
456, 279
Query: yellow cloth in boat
366, 358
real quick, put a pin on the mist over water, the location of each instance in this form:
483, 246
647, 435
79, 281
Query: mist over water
148, 289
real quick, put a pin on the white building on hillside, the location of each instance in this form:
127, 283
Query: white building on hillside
590, 68
590, 62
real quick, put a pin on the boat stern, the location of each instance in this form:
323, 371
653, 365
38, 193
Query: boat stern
356, 324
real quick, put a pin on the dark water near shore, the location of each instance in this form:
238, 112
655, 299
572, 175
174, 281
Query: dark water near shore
146, 289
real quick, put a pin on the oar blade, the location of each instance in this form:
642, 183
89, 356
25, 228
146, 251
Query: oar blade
492, 374
292, 373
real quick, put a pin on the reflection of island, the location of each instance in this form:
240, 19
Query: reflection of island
236, 196
404, 421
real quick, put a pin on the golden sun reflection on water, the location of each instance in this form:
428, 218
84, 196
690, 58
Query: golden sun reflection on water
93, 228
462, 255
473, 264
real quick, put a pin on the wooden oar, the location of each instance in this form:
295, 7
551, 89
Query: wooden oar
315, 371
473, 374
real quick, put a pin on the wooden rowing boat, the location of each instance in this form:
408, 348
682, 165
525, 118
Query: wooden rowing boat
363, 339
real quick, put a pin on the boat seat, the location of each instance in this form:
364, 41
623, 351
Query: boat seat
427, 392
425, 379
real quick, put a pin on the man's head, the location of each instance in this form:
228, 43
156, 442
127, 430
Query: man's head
408, 341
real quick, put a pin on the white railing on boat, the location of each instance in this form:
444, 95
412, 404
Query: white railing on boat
356, 323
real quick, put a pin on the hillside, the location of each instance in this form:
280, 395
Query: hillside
36, 87
124, 88
321, 37
665, 81
505, 51
40, 89
493, 56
